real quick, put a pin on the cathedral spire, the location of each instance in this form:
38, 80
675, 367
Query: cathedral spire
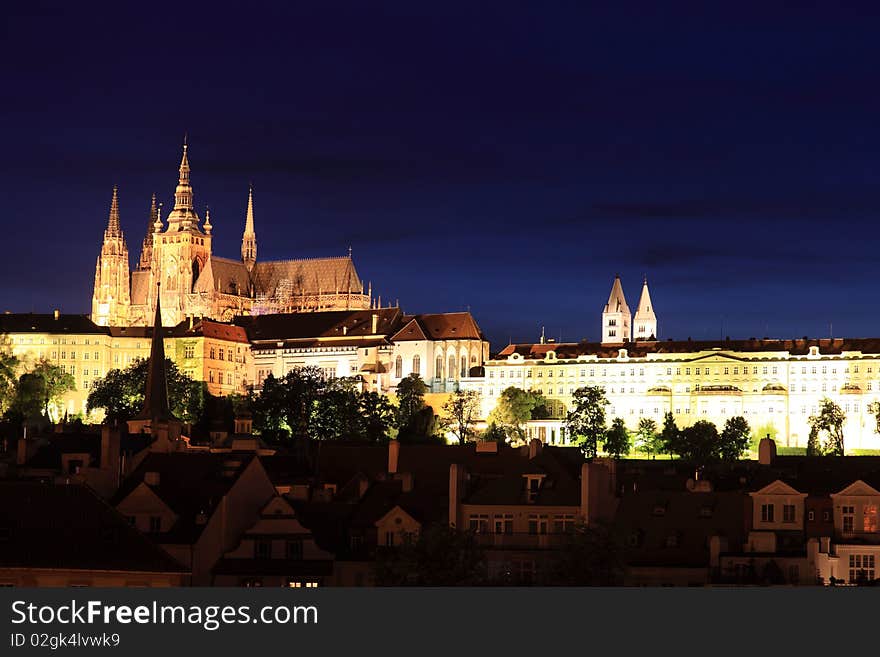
156, 406
249, 238
113, 229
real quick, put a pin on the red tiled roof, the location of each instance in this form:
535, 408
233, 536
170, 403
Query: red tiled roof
439, 326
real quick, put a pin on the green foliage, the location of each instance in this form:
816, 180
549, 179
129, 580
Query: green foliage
8, 367
585, 423
121, 392
670, 436
734, 439
460, 412
699, 442
38, 390
303, 405
412, 418
378, 416
617, 439
335, 411
439, 556
514, 408
494, 433
648, 437
827, 424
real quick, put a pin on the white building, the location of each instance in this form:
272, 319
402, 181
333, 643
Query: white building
772, 383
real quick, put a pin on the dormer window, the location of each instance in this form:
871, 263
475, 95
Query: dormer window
533, 486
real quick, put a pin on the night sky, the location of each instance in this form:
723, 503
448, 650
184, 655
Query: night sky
504, 157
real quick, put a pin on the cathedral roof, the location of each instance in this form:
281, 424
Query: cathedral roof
307, 276
225, 275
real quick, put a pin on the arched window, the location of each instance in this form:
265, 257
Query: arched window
438, 368
195, 273
417, 365
451, 371
398, 367
464, 367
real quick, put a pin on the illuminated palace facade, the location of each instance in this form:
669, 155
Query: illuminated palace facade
772, 383
194, 282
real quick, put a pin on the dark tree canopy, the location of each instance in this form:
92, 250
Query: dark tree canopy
617, 439
121, 392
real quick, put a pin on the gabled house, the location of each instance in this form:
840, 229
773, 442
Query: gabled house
195, 505
277, 550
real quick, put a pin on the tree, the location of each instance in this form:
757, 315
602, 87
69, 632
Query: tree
514, 408
699, 442
336, 412
411, 407
460, 412
828, 422
585, 423
121, 392
378, 416
439, 556
8, 368
813, 446
588, 556
56, 382
617, 440
734, 439
670, 436
648, 437
494, 433
874, 409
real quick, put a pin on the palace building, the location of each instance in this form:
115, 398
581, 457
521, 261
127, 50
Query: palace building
774, 384
177, 262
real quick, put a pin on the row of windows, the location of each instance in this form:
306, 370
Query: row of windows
482, 523
697, 371
217, 377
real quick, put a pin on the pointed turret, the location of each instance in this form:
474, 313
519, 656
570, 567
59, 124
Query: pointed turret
156, 408
616, 317
645, 321
147, 244
249, 238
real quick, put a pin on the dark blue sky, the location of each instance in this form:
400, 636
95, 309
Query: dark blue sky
509, 157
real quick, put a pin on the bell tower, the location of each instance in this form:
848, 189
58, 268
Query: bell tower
180, 252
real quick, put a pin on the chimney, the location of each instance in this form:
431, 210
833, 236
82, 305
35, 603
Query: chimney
190, 322
57, 314
585, 493
535, 445
375, 323
825, 544
457, 475
110, 448
393, 456
766, 451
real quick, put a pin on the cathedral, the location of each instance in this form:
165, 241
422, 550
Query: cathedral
177, 264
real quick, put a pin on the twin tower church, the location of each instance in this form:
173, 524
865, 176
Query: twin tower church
177, 263
618, 324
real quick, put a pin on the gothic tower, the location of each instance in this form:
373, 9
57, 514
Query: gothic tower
645, 322
249, 239
111, 300
180, 252
616, 316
